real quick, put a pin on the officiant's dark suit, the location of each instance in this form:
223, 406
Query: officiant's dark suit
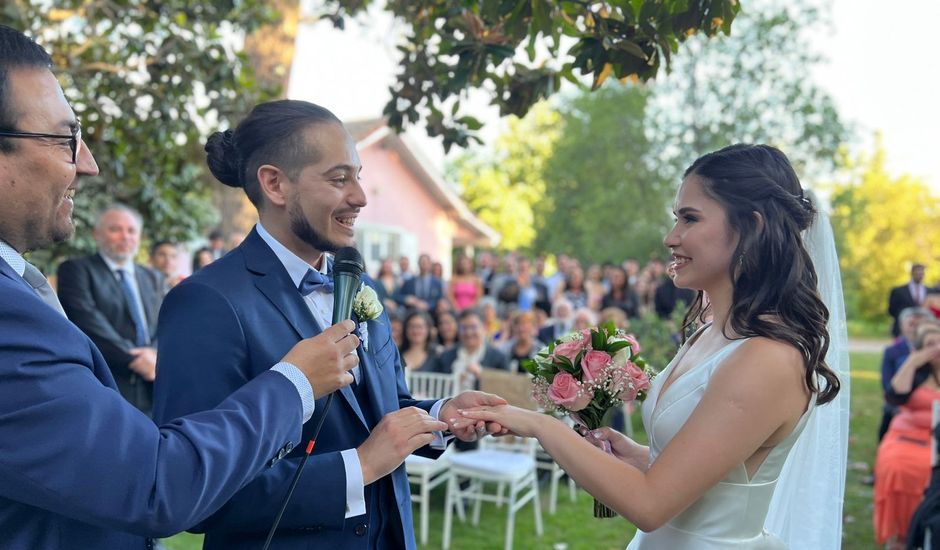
95, 299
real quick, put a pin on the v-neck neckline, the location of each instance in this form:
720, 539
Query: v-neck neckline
679, 358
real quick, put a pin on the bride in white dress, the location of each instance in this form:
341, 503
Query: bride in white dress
724, 415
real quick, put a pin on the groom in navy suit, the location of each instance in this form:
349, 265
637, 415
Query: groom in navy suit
219, 328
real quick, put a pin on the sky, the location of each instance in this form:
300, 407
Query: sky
883, 71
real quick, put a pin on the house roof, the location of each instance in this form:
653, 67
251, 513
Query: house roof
372, 131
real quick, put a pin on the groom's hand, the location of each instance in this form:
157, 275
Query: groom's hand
327, 358
470, 430
395, 437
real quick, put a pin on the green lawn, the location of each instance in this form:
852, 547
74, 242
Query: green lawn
863, 441
574, 528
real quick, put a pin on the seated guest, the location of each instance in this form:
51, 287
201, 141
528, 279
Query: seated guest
616, 316
621, 295
595, 286
202, 258
584, 318
902, 465
522, 343
560, 322
418, 349
894, 356
446, 329
927, 515
932, 302
573, 289
492, 324
388, 284
472, 354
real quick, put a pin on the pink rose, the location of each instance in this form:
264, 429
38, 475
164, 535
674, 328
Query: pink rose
586, 338
569, 350
593, 364
634, 344
566, 392
634, 381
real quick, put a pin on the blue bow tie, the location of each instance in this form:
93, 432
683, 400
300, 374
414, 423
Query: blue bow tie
314, 280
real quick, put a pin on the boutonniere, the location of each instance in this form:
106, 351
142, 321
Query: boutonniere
366, 305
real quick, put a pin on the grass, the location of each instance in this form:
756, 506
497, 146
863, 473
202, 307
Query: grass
574, 528
863, 442
875, 330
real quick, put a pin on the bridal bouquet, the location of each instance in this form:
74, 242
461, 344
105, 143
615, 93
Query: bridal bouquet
589, 374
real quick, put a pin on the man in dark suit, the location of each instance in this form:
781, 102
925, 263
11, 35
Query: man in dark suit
908, 295
115, 302
80, 467
471, 354
424, 290
221, 326
559, 324
668, 296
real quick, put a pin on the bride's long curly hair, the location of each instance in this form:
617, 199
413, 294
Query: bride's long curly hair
775, 292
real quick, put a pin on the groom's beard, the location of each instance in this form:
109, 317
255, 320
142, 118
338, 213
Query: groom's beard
305, 232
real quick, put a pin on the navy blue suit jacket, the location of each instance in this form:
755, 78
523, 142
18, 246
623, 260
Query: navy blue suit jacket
433, 294
217, 331
891, 362
82, 468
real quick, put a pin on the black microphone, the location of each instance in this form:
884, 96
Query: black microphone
347, 275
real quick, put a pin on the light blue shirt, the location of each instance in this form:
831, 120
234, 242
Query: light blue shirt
320, 304
12, 258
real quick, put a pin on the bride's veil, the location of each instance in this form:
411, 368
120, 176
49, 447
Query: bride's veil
806, 509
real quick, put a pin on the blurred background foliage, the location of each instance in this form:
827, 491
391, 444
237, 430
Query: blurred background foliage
148, 80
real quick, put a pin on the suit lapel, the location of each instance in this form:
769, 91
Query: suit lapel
273, 281
108, 279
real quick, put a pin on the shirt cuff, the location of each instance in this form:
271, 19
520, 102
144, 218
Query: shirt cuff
304, 389
440, 439
355, 485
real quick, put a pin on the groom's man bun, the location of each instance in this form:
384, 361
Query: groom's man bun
272, 133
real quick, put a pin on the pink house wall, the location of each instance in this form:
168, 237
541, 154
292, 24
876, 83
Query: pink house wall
396, 198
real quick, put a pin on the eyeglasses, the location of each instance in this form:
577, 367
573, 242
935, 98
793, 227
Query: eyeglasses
75, 139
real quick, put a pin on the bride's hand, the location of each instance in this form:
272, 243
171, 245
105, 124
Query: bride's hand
621, 446
521, 422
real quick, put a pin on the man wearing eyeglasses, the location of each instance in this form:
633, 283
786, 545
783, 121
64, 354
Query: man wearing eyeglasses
79, 466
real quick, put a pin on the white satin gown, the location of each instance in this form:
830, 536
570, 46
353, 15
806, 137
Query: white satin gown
731, 514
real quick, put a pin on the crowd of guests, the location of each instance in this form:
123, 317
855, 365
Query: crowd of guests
495, 311
910, 377
492, 312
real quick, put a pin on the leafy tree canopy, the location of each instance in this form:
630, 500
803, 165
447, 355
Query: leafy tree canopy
504, 188
883, 224
148, 80
604, 200
519, 50
753, 86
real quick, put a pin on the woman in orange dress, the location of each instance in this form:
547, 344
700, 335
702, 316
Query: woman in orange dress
902, 466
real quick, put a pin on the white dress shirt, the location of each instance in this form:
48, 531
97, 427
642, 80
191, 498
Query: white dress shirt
131, 275
320, 303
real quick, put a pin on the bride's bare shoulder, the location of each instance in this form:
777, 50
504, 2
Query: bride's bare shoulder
766, 361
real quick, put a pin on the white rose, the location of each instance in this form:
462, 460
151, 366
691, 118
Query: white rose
366, 304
